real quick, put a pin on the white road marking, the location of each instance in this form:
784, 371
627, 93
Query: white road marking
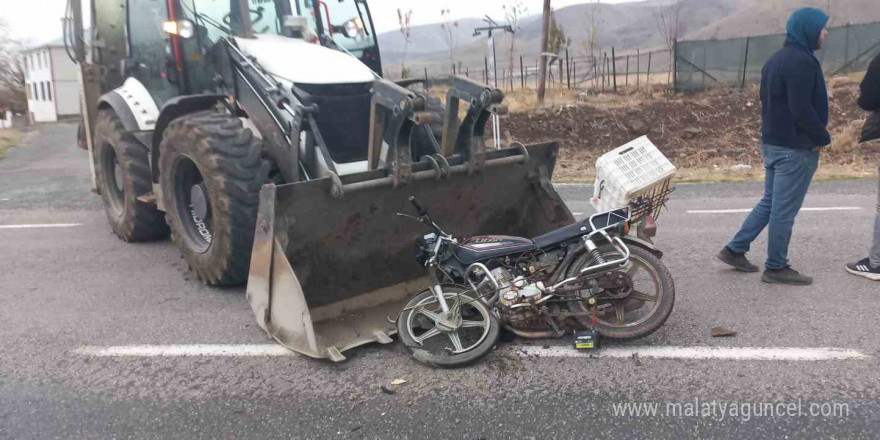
724, 353
717, 353
186, 350
41, 225
736, 211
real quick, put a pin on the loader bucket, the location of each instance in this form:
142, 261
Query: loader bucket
330, 272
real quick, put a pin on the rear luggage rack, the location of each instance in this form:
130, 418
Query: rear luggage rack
651, 203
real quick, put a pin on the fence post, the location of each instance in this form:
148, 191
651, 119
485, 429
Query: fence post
626, 81
537, 68
426, 74
522, 73
638, 68
561, 74
453, 68
614, 68
745, 63
675, 65
567, 69
705, 52
846, 47
604, 70
648, 78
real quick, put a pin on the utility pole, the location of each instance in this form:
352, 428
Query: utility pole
542, 70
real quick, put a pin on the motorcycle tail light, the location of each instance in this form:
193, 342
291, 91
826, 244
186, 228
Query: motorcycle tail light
623, 228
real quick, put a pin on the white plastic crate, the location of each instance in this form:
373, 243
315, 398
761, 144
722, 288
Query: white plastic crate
629, 171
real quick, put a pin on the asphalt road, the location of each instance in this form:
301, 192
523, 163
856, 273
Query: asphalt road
64, 288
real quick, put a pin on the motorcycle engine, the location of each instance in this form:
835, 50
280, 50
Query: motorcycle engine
516, 292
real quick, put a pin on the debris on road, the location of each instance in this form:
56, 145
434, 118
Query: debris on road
723, 332
636, 359
398, 381
388, 390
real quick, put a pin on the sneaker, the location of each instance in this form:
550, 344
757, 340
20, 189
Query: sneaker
786, 275
863, 268
736, 260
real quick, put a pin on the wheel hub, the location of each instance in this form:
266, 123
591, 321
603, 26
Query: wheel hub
117, 175
448, 322
199, 199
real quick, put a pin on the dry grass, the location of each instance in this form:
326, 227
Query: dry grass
9, 138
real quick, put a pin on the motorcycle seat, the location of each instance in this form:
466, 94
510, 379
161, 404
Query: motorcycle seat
564, 233
582, 227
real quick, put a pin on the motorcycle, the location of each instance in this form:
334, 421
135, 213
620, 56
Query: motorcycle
590, 275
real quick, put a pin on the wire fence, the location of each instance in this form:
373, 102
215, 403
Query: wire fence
602, 71
705, 64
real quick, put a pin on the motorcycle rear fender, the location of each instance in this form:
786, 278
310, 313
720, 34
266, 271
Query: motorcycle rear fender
644, 244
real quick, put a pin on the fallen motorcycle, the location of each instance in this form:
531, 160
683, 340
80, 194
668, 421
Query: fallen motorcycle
591, 275
588, 275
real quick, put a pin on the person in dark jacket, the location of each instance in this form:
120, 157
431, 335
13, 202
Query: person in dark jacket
794, 129
869, 100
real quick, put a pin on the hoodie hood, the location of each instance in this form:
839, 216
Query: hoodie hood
804, 27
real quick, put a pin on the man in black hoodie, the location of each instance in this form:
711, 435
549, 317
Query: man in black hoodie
794, 128
870, 100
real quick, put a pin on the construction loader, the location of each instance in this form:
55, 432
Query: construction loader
261, 135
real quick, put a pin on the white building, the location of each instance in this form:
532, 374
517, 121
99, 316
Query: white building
52, 81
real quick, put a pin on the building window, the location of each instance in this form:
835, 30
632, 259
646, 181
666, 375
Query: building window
30, 96
36, 95
42, 91
49, 90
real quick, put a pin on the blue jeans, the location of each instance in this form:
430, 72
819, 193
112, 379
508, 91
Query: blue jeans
789, 172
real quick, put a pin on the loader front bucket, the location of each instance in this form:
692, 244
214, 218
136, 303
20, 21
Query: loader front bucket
331, 271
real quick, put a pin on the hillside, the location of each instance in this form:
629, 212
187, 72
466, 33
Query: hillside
769, 17
625, 26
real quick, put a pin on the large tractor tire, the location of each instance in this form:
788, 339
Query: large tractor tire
123, 173
211, 172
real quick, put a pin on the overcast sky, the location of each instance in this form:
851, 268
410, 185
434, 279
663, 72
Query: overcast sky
40, 20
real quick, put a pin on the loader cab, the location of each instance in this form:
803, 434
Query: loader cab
344, 25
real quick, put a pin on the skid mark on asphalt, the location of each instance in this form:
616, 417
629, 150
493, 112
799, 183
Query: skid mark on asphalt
670, 352
747, 210
708, 353
41, 225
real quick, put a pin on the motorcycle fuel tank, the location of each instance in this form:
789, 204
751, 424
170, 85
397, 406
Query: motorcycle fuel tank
489, 246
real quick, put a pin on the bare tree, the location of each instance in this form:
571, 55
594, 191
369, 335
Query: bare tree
512, 13
450, 33
403, 18
557, 41
590, 44
670, 24
13, 92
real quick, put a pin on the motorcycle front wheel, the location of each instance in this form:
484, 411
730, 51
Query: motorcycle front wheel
643, 308
472, 332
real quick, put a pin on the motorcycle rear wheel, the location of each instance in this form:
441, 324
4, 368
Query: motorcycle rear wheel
418, 332
626, 319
